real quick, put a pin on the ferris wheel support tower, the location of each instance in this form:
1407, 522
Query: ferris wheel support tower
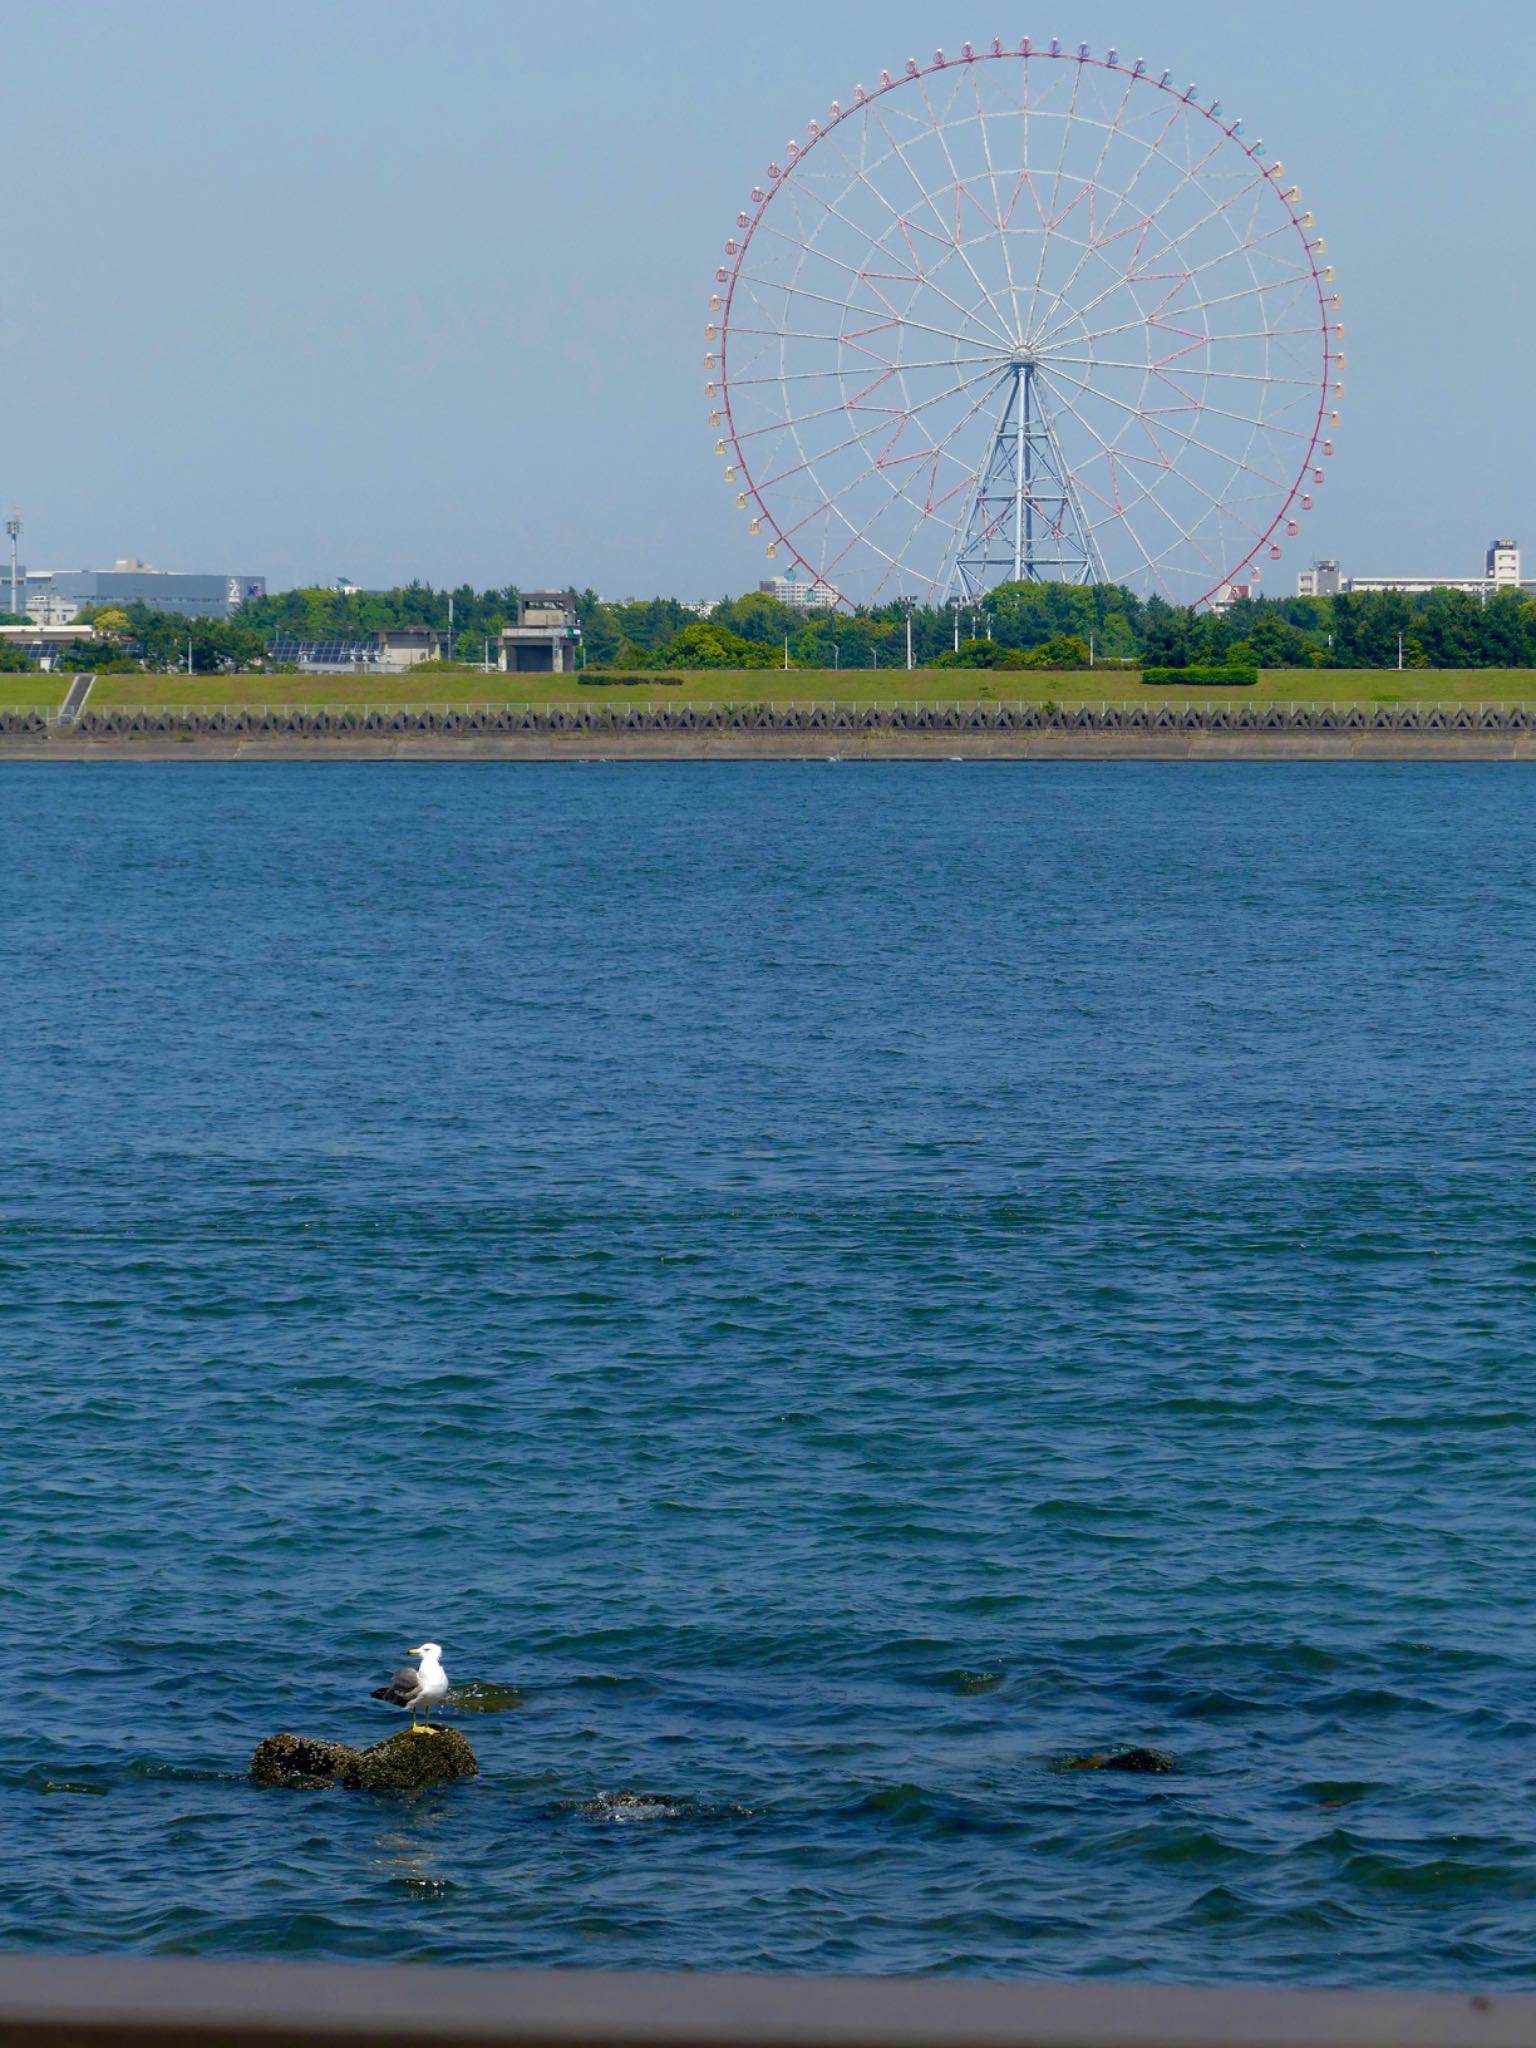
1026, 525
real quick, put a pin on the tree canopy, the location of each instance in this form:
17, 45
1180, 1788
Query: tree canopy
1032, 624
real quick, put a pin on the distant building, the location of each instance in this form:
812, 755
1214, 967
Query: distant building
1501, 571
544, 640
1321, 580
56, 596
45, 644
801, 597
405, 646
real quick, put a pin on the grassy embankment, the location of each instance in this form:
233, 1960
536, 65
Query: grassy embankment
723, 686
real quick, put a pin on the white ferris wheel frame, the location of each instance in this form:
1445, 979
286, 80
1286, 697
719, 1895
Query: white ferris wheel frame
1285, 493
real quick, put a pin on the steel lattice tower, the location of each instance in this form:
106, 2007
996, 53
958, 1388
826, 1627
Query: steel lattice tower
1025, 525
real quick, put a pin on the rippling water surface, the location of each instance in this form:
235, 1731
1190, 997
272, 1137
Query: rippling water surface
841, 1284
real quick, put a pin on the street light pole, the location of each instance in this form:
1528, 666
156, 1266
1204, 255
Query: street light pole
909, 632
13, 528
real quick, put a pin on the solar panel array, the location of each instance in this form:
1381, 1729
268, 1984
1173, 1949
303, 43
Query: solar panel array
333, 653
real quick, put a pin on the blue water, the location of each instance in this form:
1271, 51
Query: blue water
841, 1284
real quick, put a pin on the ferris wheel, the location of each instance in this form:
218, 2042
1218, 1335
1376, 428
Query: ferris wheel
1024, 314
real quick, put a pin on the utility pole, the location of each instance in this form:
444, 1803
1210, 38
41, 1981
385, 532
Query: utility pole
908, 607
450, 625
1399, 650
786, 651
13, 528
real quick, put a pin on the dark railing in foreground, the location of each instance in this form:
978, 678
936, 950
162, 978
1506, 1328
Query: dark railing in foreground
98, 2002
471, 720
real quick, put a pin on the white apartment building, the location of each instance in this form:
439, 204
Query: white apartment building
1501, 571
801, 597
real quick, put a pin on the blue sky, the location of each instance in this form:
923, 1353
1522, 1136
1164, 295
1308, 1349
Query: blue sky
361, 287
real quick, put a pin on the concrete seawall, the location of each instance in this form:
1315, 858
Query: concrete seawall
69, 744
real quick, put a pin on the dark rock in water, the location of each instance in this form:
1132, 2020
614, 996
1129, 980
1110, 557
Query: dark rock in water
300, 1762
1119, 1760
407, 1761
402, 1764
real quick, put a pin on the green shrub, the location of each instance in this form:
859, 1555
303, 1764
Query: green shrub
1230, 677
607, 679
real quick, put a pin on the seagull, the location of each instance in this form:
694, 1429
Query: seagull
421, 1689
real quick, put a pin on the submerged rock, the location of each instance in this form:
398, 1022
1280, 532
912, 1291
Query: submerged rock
1119, 1760
402, 1764
300, 1761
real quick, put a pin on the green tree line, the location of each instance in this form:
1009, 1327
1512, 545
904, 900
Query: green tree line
1018, 624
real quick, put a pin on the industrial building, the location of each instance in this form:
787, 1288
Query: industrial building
1501, 571
545, 638
54, 597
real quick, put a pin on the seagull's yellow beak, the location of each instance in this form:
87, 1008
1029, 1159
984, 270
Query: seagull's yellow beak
413, 1653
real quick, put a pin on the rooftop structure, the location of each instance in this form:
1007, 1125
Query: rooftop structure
545, 638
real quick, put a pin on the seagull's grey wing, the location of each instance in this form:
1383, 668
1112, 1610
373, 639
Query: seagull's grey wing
402, 1688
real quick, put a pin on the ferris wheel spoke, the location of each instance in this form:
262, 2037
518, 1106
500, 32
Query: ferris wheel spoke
922, 512
1147, 415
1047, 225
1121, 198
825, 299
884, 417
866, 277
843, 407
922, 277
1180, 277
855, 342
1146, 497
960, 188
858, 370
1004, 339
1094, 241
1171, 366
1153, 153
1140, 325
986, 151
